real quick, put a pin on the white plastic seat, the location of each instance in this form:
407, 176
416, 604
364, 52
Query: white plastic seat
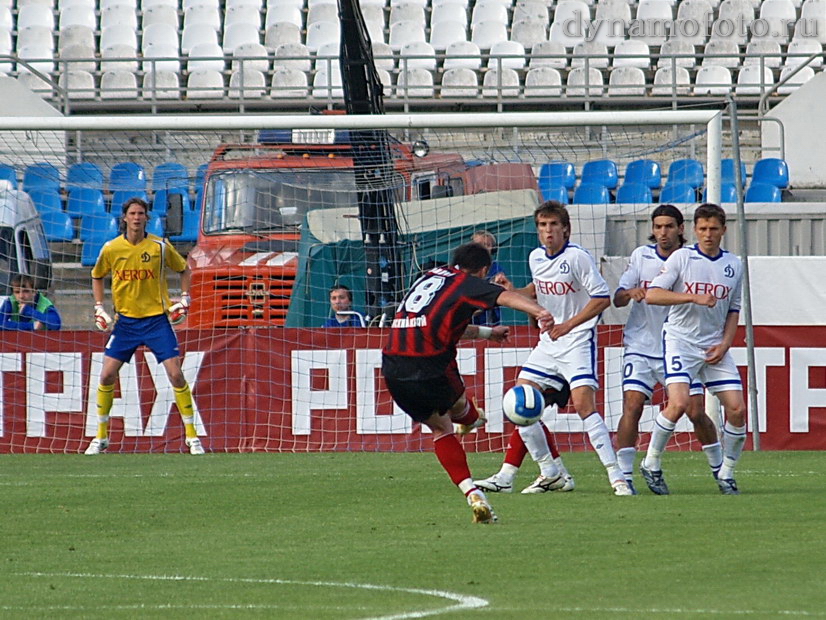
508, 55
118, 85
292, 56
725, 31
6, 49
753, 81
626, 81
375, 28
529, 32
35, 15
415, 82
185, 4
632, 53
63, 4
383, 56
247, 84
281, 33
36, 84
784, 9
147, 4
280, 12
690, 31
712, 80
668, 80
392, 2
698, 10
443, 33
327, 59
487, 11
773, 29
555, 53
238, 34
288, 83
255, 58
78, 57
543, 81
327, 86
460, 82
161, 57
35, 36
796, 81
373, 13
6, 19
485, 34
681, 53
205, 84
504, 81
813, 8
78, 15
77, 84
205, 56
613, 11
407, 12
203, 14
566, 36
243, 15
197, 34
596, 55
232, 4
763, 51
118, 35
121, 14
655, 16
118, 58
160, 15
37, 58
322, 13
417, 55
582, 83
531, 10
800, 49
572, 10
320, 33
811, 28
462, 54
164, 35
450, 11
734, 10
76, 35
405, 32
723, 53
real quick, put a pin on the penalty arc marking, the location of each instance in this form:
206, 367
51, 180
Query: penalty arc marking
460, 601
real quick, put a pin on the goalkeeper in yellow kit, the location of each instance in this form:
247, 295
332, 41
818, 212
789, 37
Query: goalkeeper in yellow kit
138, 263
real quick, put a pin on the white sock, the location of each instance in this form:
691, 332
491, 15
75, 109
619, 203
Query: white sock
507, 473
663, 429
625, 460
714, 454
561, 466
600, 440
734, 437
537, 445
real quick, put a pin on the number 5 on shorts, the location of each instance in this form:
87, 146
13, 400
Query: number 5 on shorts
675, 365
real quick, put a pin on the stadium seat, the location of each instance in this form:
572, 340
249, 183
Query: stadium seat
632, 53
507, 55
549, 54
374, 22
404, 12
417, 55
161, 197
326, 59
119, 35
652, 15
763, 192
77, 15
161, 85
170, 175
36, 58
485, 10
712, 80
600, 172
645, 172
118, 14
293, 56
485, 34
686, 170
799, 50
9, 173
626, 81
676, 52
41, 175
247, 84
202, 14
195, 35
414, 83
460, 82
77, 84
96, 226
529, 32
795, 81
89, 252
200, 176
382, 56
205, 56
160, 14
752, 80
85, 201
155, 226
35, 15
320, 33
448, 11
770, 170
543, 82
727, 169
634, 193
46, 200
205, 84
84, 174
252, 57
76, 35
592, 54
246, 14
118, 85
763, 51
38, 37
556, 192
678, 192
281, 33
402, 33
327, 85
127, 175
728, 193
556, 173
57, 226
288, 83
462, 54
240, 33
120, 196
582, 83
327, 13
700, 11
189, 229
591, 193
504, 82
35, 84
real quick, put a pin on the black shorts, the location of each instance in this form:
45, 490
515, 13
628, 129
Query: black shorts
420, 398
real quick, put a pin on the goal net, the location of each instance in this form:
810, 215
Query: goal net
275, 214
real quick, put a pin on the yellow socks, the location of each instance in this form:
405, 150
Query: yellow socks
106, 393
183, 398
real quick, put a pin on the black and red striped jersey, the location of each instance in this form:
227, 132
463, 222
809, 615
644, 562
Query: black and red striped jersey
431, 319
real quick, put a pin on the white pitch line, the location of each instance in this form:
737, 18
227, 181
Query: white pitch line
462, 601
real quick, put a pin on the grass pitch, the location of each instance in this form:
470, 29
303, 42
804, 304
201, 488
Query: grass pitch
350, 536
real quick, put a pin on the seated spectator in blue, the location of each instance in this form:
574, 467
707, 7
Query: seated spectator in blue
341, 302
26, 309
494, 315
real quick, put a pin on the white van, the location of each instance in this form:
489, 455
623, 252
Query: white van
23, 246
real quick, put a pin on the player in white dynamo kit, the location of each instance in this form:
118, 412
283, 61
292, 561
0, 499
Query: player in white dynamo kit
702, 286
567, 283
643, 344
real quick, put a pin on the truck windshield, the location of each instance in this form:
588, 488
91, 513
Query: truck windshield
259, 201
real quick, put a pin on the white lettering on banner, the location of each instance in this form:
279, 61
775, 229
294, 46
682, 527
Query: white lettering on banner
763, 358
39, 402
128, 405
9, 362
802, 396
496, 360
368, 422
304, 398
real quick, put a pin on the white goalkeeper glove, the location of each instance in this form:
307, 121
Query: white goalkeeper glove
102, 320
178, 311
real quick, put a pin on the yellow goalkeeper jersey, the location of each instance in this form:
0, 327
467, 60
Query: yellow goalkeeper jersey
139, 286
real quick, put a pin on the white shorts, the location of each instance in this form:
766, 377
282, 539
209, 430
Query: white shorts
572, 358
686, 363
641, 373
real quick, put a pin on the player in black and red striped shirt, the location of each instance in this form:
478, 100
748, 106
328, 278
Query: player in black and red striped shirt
419, 360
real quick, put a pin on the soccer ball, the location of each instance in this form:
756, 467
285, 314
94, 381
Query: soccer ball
523, 405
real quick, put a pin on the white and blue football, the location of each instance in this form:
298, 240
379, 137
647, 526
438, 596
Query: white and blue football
523, 405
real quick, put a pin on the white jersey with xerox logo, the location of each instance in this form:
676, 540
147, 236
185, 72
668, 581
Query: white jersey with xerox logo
688, 270
643, 333
565, 282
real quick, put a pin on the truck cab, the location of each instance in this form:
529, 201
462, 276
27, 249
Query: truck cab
23, 245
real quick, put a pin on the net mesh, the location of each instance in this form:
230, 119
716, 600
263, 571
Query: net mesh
270, 222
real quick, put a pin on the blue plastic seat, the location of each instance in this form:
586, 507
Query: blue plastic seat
127, 175
555, 192
155, 226
85, 201
84, 175
591, 193
97, 226
688, 171
170, 175
8, 173
678, 192
771, 170
41, 175
727, 172
189, 230
57, 226
121, 196
644, 171
763, 192
159, 200
634, 193
602, 171
556, 174
90, 250
46, 200
200, 176
728, 193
